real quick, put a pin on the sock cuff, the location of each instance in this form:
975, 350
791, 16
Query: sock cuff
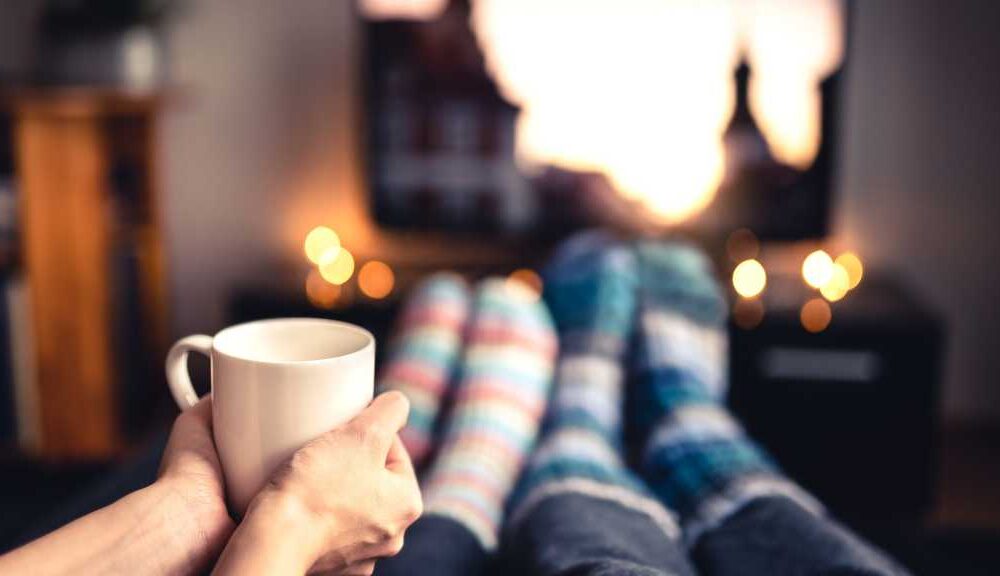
714, 510
623, 496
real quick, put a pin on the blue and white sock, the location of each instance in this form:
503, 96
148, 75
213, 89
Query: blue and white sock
590, 289
697, 458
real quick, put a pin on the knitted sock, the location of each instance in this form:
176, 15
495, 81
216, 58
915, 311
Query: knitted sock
424, 354
696, 458
591, 290
503, 389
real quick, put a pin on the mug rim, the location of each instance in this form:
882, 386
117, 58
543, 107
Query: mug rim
368, 345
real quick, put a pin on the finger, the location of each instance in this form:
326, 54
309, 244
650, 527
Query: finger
202, 412
398, 460
387, 412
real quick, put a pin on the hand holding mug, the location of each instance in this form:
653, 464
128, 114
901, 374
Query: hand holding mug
342, 501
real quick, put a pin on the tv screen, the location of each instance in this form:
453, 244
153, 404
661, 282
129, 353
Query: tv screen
537, 117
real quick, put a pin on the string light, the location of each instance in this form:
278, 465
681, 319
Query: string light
376, 280
321, 244
815, 315
321, 293
748, 313
749, 278
817, 269
852, 265
339, 269
838, 285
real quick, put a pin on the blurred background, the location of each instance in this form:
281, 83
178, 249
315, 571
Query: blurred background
170, 167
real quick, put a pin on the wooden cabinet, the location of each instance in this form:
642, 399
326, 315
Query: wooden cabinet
92, 255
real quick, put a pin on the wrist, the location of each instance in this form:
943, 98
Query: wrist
200, 523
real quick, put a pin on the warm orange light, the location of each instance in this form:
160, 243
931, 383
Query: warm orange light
321, 293
815, 315
852, 264
321, 244
742, 244
748, 314
376, 280
408, 9
817, 269
658, 137
838, 285
339, 269
749, 278
528, 277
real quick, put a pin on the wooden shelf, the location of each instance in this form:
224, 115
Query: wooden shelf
70, 144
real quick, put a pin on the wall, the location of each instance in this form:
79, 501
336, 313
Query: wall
258, 144
921, 173
260, 147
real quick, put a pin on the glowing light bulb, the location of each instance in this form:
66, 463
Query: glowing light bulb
749, 278
321, 244
817, 269
339, 269
852, 264
376, 280
838, 285
815, 315
321, 293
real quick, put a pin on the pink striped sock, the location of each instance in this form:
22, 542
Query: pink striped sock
501, 397
424, 353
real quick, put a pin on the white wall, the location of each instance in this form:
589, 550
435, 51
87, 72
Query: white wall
260, 147
257, 146
921, 173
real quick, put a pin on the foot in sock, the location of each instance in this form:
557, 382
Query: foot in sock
591, 290
505, 376
697, 459
424, 353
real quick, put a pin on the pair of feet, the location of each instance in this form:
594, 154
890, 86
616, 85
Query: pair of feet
476, 366
650, 314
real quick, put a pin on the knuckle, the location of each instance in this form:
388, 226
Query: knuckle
394, 546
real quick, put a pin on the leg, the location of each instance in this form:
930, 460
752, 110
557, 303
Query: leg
738, 512
504, 383
577, 509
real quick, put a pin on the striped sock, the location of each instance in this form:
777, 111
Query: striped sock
591, 290
424, 353
505, 377
697, 458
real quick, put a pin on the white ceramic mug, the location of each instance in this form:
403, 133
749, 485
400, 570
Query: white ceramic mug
276, 385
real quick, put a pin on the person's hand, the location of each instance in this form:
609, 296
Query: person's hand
190, 468
341, 502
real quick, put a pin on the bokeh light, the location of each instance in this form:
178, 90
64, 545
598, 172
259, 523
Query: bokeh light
748, 313
817, 269
376, 280
321, 244
838, 285
406, 9
321, 293
815, 315
852, 264
528, 277
742, 244
339, 269
749, 278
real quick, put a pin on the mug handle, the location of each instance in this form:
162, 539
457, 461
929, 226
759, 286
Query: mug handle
177, 370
